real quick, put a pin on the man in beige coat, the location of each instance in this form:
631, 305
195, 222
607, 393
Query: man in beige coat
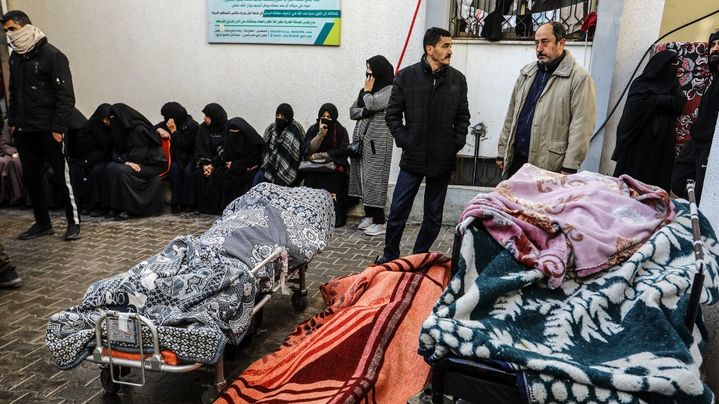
552, 110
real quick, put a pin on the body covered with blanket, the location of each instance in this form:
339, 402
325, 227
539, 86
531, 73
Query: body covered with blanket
199, 292
615, 335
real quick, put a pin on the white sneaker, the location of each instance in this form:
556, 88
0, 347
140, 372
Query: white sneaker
375, 229
364, 224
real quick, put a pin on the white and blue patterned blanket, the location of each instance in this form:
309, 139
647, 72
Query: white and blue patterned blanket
616, 336
199, 292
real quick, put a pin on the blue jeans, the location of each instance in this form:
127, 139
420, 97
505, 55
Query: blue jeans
259, 177
404, 193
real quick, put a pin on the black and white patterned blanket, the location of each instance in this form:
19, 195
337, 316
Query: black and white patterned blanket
199, 292
615, 336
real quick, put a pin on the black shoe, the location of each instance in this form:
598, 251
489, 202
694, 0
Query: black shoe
72, 232
97, 213
380, 259
175, 209
37, 230
9, 278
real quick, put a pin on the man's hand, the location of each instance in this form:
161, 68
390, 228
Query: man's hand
369, 84
171, 125
500, 164
134, 166
207, 170
57, 136
163, 133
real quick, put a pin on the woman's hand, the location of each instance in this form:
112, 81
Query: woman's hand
369, 84
134, 166
207, 170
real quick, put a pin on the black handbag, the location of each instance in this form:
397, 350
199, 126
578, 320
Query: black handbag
355, 149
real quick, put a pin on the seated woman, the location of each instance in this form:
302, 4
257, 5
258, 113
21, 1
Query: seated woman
12, 190
90, 149
181, 129
134, 186
210, 139
327, 141
240, 158
282, 150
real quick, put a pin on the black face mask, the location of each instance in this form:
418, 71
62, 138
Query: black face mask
330, 124
281, 124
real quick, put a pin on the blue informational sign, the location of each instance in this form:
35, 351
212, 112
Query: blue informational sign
294, 22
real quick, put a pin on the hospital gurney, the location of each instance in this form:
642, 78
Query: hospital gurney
177, 310
487, 380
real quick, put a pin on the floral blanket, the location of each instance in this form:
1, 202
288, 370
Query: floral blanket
616, 336
694, 78
584, 222
199, 292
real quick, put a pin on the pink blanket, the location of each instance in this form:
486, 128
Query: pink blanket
584, 222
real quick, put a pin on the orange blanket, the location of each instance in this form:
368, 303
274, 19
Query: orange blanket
363, 347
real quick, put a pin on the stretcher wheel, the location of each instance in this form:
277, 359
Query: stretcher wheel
299, 300
106, 380
209, 395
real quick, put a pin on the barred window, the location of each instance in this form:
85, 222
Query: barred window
519, 19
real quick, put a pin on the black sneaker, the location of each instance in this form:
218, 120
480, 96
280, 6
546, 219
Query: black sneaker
380, 259
72, 232
97, 213
9, 278
37, 230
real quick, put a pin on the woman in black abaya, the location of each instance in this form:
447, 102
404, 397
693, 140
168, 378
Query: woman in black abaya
134, 187
93, 148
645, 135
240, 158
327, 140
210, 140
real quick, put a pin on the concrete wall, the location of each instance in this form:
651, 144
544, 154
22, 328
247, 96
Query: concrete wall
679, 12
145, 53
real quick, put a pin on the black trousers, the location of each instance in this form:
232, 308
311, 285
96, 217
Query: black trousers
36, 148
690, 164
405, 191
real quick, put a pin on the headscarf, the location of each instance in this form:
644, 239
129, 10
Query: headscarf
24, 40
713, 66
236, 143
100, 133
125, 119
217, 115
383, 72
175, 111
332, 109
658, 78
286, 111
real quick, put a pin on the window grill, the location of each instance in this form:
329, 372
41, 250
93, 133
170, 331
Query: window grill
519, 19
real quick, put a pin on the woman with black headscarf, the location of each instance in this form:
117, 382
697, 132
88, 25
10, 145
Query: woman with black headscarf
181, 129
645, 135
369, 176
210, 139
134, 187
240, 158
91, 151
283, 149
326, 142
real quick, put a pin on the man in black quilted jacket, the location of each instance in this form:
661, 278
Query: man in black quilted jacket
428, 115
41, 103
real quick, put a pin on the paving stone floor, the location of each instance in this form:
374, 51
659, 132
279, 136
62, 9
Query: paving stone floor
56, 274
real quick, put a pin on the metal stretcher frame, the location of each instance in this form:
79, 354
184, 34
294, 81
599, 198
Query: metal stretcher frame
102, 354
477, 380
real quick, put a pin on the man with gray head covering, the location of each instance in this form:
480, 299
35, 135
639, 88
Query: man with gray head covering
41, 103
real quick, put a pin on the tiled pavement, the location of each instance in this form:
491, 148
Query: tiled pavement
56, 274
